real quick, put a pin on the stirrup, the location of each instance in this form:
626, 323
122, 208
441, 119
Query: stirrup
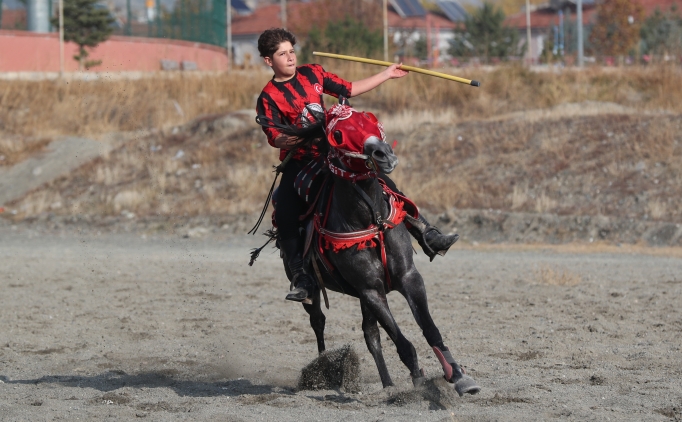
421, 230
301, 293
431, 252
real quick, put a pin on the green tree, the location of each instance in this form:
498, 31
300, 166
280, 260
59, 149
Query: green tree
661, 33
616, 30
484, 35
85, 24
347, 36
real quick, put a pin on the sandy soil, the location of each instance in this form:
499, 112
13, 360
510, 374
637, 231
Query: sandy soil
165, 328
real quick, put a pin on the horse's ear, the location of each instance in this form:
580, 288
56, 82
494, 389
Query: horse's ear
338, 137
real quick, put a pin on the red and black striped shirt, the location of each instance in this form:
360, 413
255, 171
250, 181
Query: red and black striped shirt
285, 102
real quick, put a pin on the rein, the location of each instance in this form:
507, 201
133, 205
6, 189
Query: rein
278, 170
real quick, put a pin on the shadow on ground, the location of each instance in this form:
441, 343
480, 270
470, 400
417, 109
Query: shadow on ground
436, 394
113, 380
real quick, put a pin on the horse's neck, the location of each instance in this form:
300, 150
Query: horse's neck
349, 205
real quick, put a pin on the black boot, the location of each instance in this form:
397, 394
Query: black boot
432, 241
301, 283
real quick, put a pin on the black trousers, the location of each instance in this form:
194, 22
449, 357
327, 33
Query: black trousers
290, 206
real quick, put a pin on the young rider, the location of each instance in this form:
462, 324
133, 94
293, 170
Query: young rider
289, 98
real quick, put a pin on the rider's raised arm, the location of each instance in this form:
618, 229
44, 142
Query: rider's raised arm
368, 84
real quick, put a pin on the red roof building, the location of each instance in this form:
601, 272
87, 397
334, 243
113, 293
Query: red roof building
301, 17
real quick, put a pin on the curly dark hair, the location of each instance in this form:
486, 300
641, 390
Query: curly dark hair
270, 39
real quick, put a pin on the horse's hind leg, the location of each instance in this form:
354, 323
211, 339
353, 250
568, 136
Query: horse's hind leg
317, 319
376, 304
373, 340
414, 292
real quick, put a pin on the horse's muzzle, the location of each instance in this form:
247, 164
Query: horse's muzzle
381, 153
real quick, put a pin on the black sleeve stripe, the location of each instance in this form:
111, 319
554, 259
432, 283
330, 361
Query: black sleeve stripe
260, 107
263, 106
267, 107
299, 88
309, 73
336, 88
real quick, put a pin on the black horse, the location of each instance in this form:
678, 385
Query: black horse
361, 212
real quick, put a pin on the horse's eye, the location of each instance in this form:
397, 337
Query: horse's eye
338, 137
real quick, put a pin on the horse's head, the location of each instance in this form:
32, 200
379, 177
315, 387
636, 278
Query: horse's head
357, 139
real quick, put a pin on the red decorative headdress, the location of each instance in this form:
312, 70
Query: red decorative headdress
347, 131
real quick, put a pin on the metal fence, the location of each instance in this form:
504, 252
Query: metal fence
202, 21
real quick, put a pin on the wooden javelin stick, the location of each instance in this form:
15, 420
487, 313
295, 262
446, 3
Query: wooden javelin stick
403, 67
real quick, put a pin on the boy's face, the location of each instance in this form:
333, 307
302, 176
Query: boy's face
283, 61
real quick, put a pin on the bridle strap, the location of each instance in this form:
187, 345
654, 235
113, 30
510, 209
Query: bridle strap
347, 175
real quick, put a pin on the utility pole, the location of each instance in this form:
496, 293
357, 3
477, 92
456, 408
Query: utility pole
436, 50
429, 47
150, 14
580, 34
61, 39
283, 7
229, 34
157, 16
129, 17
530, 52
385, 12
561, 32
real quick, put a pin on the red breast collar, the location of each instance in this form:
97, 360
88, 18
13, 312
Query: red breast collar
372, 236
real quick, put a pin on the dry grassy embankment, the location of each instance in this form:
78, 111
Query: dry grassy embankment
88, 108
33, 111
620, 165
542, 156
626, 165
49, 108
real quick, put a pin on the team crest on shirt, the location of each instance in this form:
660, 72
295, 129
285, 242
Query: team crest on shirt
307, 116
318, 88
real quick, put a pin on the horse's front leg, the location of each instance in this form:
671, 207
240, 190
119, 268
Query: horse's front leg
373, 340
375, 302
317, 319
412, 288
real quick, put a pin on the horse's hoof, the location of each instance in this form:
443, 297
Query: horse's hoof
466, 385
420, 380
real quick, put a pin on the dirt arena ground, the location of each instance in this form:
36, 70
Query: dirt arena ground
114, 327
